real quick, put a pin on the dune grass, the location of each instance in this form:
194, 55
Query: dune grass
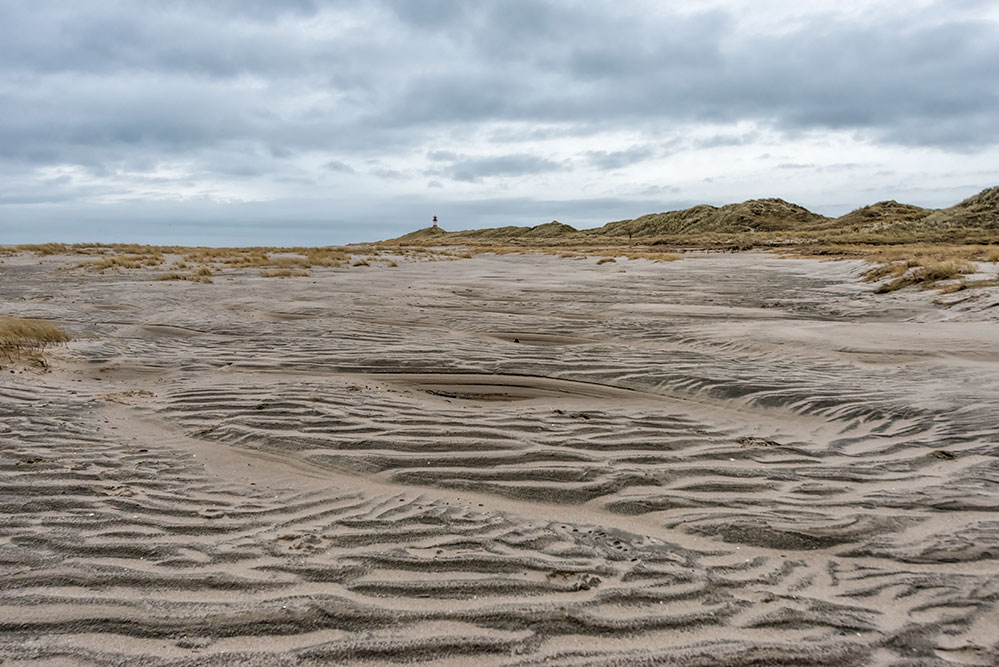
965, 284
653, 256
911, 264
284, 273
197, 277
118, 262
204, 262
25, 337
924, 272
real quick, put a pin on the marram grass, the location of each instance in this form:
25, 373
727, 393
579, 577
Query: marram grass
18, 334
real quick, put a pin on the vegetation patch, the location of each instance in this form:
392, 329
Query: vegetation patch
118, 262
193, 278
23, 337
964, 284
653, 256
925, 273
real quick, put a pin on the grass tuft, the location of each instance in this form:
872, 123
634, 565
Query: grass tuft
925, 273
21, 336
194, 278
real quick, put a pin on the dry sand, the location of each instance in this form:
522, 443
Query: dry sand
516, 460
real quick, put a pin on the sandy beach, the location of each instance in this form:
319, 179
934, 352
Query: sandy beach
731, 459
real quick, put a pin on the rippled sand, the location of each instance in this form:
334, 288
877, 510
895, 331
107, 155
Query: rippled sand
516, 460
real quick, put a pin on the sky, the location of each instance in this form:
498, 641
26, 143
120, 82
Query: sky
313, 122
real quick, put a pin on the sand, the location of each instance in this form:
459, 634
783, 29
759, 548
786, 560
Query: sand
505, 460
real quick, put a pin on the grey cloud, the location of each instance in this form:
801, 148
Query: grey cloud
659, 190
238, 169
388, 174
442, 156
840, 166
258, 10
474, 169
618, 159
339, 166
429, 14
280, 152
443, 98
241, 89
678, 45
725, 140
824, 74
154, 82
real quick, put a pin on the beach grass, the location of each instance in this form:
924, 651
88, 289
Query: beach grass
25, 337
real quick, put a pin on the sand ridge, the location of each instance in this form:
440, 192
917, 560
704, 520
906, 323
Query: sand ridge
726, 460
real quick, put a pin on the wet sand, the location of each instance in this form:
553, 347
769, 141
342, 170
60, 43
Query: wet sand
506, 460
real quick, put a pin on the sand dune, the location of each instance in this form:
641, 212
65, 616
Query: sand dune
516, 460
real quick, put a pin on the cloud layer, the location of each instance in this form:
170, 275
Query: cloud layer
367, 117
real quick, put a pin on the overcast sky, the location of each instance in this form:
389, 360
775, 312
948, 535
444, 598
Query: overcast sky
236, 122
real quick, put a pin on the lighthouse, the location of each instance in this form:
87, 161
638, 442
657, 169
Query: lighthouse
435, 222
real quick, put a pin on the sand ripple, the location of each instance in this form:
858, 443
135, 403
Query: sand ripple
698, 463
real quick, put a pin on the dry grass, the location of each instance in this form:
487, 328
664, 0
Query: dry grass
264, 258
44, 249
922, 264
964, 284
607, 253
894, 253
193, 278
24, 338
118, 262
653, 256
888, 270
925, 273
499, 249
207, 261
284, 273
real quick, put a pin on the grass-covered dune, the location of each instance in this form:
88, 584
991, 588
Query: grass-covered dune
757, 222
